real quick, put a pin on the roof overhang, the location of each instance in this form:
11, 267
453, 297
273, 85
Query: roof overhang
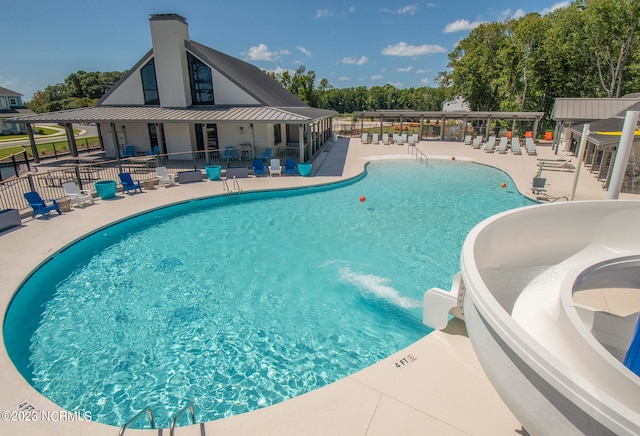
193, 114
614, 124
451, 114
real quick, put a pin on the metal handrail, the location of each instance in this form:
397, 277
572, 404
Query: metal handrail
136, 416
188, 407
236, 184
419, 155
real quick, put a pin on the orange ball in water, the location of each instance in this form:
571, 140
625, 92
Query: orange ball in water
362, 199
503, 185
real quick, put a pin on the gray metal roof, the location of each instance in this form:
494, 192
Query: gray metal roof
5, 91
589, 109
453, 114
16, 111
193, 114
612, 124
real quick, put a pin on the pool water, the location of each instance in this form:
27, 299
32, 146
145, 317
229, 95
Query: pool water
237, 303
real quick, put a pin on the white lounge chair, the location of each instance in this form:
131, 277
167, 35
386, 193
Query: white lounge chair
515, 145
530, 146
164, 178
275, 168
365, 138
385, 138
375, 139
468, 139
490, 145
502, 146
78, 196
476, 142
415, 138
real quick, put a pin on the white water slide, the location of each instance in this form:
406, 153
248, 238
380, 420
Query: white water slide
550, 295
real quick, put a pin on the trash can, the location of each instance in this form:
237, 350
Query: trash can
213, 171
304, 168
106, 188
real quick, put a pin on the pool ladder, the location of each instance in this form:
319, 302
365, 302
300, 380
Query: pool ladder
187, 408
419, 155
230, 190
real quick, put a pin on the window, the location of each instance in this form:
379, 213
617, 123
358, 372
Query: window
149, 83
13, 101
153, 138
277, 134
201, 82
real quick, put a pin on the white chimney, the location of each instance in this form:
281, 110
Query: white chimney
168, 34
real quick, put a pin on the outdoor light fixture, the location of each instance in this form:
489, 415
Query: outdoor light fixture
241, 130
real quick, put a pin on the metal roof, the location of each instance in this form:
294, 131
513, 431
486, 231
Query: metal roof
452, 114
16, 111
5, 91
589, 109
612, 124
192, 114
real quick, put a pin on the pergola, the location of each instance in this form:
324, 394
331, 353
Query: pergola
443, 117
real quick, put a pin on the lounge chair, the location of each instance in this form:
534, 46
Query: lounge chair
275, 167
78, 196
395, 138
515, 146
155, 150
129, 151
385, 138
258, 167
40, 206
364, 138
530, 146
476, 142
289, 166
468, 139
415, 138
128, 184
375, 139
490, 145
164, 178
502, 146
538, 185
228, 153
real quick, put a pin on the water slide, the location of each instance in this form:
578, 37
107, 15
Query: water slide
550, 295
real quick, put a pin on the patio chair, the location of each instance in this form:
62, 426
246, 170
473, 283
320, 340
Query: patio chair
364, 138
385, 138
289, 166
155, 150
78, 196
476, 142
275, 167
502, 146
490, 145
228, 153
129, 151
258, 167
467, 140
164, 178
530, 146
538, 185
128, 184
40, 206
375, 139
515, 146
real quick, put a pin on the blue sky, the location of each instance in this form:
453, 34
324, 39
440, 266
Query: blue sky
350, 43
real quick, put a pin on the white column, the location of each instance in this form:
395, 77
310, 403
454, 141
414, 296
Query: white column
301, 142
622, 155
583, 143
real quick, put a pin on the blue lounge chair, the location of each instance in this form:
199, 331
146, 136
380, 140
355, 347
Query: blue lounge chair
155, 150
129, 151
40, 206
228, 153
258, 167
128, 184
289, 166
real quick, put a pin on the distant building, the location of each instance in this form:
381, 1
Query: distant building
11, 105
456, 104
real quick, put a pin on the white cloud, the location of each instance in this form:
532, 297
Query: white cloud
421, 71
404, 70
280, 70
563, 4
304, 50
350, 60
404, 49
376, 77
410, 9
507, 13
396, 84
461, 25
7, 83
261, 53
352, 9
323, 13
424, 81
344, 78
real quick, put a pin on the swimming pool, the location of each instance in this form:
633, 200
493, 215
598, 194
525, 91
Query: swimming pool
240, 303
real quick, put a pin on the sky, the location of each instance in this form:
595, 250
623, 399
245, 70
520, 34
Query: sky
349, 43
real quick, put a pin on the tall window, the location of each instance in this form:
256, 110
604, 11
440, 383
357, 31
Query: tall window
201, 81
149, 83
277, 134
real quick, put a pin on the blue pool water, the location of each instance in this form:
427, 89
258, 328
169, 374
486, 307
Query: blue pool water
239, 303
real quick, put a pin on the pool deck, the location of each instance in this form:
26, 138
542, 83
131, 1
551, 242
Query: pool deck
444, 391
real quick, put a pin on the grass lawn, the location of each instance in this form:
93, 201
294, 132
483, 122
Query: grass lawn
46, 149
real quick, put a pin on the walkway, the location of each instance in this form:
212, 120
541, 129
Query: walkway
443, 391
